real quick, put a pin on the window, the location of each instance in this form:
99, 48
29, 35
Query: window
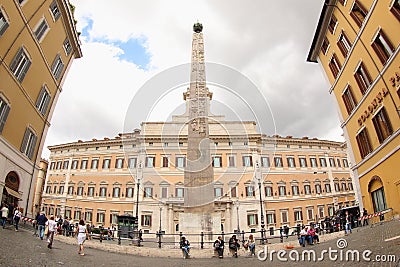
74, 164
330, 211
164, 192
218, 192
265, 162
310, 214
179, 192
291, 162
268, 191
90, 191
247, 161
180, 161
67, 46
271, 218
363, 78
217, 162
119, 163
95, 164
313, 162
103, 191
321, 212
48, 189
20, 65
146, 220
148, 192
348, 99
325, 46
382, 125
344, 44
59, 163
116, 192
334, 65
345, 163
106, 164
307, 189
57, 67
3, 23
70, 190
165, 162
282, 190
231, 161
383, 47
101, 217
80, 190
350, 186
41, 29
252, 219
332, 162
84, 164
295, 190
337, 187
318, 189
129, 192
88, 216
249, 191
132, 163
28, 143
332, 24
233, 191
278, 162
298, 215
54, 10
284, 216
303, 162
322, 162
395, 9
4, 110
344, 187
114, 218
150, 161
358, 13
364, 145
65, 164
379, 200
61, 190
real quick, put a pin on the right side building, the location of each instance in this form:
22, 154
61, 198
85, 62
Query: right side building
357, 44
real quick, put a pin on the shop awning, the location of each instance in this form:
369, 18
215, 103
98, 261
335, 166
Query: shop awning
13, 193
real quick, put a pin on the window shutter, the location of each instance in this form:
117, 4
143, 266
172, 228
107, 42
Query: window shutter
46, 103
110, 219
25, 140
248, 219
275, 218
15, 61
3, 117
360, 83
251, 160
25, 70
256, 216
97, 217
150, 221
381, 54
40, 97
59, 70
247, 191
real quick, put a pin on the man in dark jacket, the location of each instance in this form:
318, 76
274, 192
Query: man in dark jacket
219, 246
41, 222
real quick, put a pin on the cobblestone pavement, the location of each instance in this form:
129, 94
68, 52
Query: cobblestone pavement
23, 249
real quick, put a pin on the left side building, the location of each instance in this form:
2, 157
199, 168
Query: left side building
38, 42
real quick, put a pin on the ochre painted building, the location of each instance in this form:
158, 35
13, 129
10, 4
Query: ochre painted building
38, 42
357, 44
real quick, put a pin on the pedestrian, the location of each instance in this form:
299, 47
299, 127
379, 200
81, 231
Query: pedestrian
313, 234
219, 247
65, 226
41, 222
251, 243
365, 213
4, 215
286, 230
185, 246
82, 233
17, 217
52, 227
304, 237
234, 246
348, 219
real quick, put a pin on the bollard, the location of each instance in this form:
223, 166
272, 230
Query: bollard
119, 237
159, 239
243, 237
202, 240
140, 237
101, 236
281, 233
223, 235
298, 230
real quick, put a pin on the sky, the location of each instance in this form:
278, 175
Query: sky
127, 43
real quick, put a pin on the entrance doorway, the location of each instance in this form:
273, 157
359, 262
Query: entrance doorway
10, 191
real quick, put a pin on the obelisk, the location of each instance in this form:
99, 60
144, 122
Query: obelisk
199, 173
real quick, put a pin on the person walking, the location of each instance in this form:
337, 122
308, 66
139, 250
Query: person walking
17, 217
4, 215
348, 219
251, 243
234, 246
82, 233
52, 225
219, 247
41, 222
365, 213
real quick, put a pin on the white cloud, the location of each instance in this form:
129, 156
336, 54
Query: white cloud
268, 41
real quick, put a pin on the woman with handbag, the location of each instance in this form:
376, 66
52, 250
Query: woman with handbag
82, 233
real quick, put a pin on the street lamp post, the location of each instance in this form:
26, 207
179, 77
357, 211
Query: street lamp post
159, 230
258, 177
237, 215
